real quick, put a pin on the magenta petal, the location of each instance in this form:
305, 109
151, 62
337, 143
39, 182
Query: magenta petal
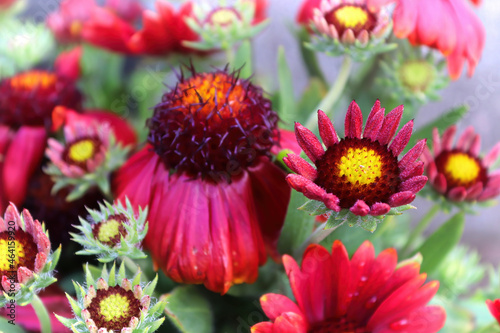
440, 183
308, 142
401, 140
360, 208
432, 170
489, 193
305, 186
457, 193
474, 191
332, 202
23, 157
475, 146
353, 121
492, 156
416, 170
465, 140
379, 208
286, 140
436, 141
271, 195
390, 125
414, 184
326, 130
412, 155
401, 198
275, 305
374, 122
448, 135
298, 165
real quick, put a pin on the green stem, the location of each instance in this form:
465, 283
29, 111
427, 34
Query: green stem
333, 94
421, 226
317, 236
133, 267
42, 314
309, 56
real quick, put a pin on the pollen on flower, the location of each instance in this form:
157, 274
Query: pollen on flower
416, 75
114, 306
33, 79
23, 252
360, 166
223, 16
353, 17
108, 232
460, 168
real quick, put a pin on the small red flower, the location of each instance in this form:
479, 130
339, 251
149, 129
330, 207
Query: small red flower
449, 26
458, 172
216, 201
360, 172
26, 103
363, 294
67, 23
494, 307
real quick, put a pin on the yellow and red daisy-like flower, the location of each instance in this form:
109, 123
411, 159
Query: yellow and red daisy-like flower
449, 26
216, 201
363, 294
458, 172
360, 172
26, 103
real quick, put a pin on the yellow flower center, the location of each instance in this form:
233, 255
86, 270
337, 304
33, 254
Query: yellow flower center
81, 151
462, 167
11, 254
76, 28
360, 166
33, 79
108, 230
223, 16
114, 306
351, 16
416, 75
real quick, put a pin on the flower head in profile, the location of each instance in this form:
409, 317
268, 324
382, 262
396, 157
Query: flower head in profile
26, 263
26, 103
458, 173
114, 303
346, 27
216, 200
363, 294
113, 231
86, 159
358, 176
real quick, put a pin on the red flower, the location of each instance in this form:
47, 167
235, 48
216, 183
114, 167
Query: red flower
216, 201
364, 294
26, 103
164, 30
494, 307
459, 173
360, 172
68, 63
129, 10
306, 11
67, 23
447, 25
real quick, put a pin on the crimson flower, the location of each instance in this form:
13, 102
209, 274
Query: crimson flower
458, 172
494, 307
360, 172
449, 26
216, 201
26, 103
363, 294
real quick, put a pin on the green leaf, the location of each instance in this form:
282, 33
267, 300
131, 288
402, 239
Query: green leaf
287, 103
442, 122
6, 327
435, 249
189, 311
243, 59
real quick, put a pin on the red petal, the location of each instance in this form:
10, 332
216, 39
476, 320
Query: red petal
360, 208
353, 121
494, 307
401, 140
414, 184
287, 140
123, 131
361, 265
265, 327
448, 136
290, 322
298, 165
326, 130
274, 305
475, 146
379, 208
457, 193
465, 140
22, 158
336, 300
67, 63
440, 183
417, 169
390, 125
309, 142
405, 18
305, 13
5, 138
474, 191
374, 122
401, 198
412, 155
492, 156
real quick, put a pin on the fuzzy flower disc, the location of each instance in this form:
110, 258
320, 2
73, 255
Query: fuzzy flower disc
113, 308
108, 232
212, 123
357, 168
356, 17
80, 151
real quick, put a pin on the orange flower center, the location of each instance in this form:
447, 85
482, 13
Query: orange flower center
18, 249
358, 169
354, 17
33, 79
460, 168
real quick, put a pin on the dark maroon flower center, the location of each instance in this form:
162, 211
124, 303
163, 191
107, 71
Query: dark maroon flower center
358, 169
212, 125
18, 249
351, 16
340, 325
461, 168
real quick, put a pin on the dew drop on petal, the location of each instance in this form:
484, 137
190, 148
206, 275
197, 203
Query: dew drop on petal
371, 302
399, 325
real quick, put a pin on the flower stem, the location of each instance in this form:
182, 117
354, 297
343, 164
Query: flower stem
42, 314
333, 94
421, 226
133, 267
317, 236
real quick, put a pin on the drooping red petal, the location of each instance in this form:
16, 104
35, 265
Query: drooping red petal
309, 142
298, 165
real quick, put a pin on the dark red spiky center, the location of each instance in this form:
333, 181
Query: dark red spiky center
118, 322
212, 125
340, 325
335, 18
28, 98
121, 229
19, 249
454, 178
377, 190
